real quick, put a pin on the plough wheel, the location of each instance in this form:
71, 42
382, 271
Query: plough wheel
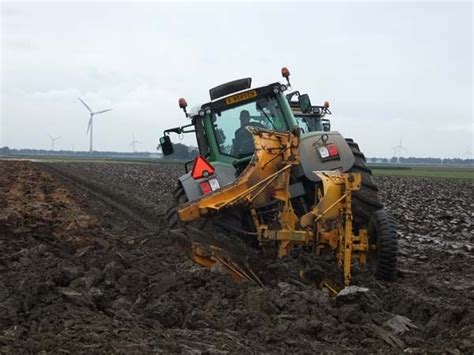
383, 245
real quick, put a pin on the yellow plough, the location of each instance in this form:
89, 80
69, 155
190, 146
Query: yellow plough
326, 227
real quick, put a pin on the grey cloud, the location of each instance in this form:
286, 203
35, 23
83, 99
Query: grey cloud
389, 69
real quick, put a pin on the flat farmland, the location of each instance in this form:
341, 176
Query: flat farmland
87, 264
442, 172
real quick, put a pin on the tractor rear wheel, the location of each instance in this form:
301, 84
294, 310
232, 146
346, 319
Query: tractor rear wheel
172, 212
232, 225
201, 224
365, 201
383, 245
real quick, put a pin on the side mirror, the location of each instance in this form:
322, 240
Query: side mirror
305, 103
326, 126
166, 145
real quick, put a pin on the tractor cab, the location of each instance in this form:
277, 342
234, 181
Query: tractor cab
221, 124
222, 128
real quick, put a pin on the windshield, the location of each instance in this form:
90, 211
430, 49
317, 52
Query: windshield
230, 125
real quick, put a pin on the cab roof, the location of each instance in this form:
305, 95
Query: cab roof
220, 101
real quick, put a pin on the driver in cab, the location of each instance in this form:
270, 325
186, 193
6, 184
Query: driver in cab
243, 141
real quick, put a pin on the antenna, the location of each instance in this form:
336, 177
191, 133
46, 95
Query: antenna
398, 149
134, 143
91, 121
53, 139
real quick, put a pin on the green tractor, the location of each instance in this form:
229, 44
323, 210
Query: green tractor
226, 147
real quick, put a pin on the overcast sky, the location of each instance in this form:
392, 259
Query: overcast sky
389, 70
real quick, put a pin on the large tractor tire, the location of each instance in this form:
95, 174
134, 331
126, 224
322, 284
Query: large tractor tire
202, 224
383, 242
232, 218
172, 212
365, 201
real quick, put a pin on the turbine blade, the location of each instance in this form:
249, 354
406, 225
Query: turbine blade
87, 107
96, 113
89, 125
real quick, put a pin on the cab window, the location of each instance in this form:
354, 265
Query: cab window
229, 125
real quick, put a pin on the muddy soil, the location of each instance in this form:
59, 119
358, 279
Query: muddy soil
78, 275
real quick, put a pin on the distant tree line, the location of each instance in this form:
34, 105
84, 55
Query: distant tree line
421, 161
184, 152
181, 152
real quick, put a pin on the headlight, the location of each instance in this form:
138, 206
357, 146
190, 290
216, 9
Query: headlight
282, 87
201, 113
208, 111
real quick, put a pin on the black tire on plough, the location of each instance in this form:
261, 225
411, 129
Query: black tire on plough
383, 244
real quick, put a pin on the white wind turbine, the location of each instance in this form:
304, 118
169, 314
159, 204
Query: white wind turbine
53, 139
468, 153
134, 143
91, 121
398, 149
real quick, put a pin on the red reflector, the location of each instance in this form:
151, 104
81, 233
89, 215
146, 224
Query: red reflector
205, 187
333, 150
201, 168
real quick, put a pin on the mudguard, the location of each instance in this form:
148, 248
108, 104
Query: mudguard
225, 174
311, 161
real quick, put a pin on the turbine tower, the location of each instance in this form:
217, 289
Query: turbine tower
134, 143
53, 139
468, 153
398, 149
91, 121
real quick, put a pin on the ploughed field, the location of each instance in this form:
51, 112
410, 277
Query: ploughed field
87, 265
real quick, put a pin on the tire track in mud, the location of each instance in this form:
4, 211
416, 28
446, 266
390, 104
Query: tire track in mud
137, 213
153, 223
